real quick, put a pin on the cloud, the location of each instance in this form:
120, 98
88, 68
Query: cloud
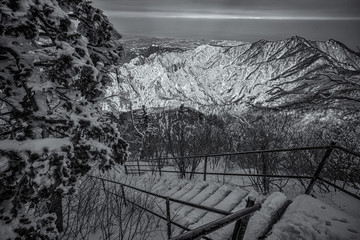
256, 15
342, 8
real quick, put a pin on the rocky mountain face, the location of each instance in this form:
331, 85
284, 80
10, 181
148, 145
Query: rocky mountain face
234, 75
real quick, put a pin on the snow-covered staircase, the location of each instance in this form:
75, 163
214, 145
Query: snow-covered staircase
305, 218
211, 194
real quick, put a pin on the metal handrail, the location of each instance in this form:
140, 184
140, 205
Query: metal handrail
339, 188
148, 165
229, 174
347, 150
201, 231
229, 217
314, 178
243, 153
154, 213
217, 224
210, 209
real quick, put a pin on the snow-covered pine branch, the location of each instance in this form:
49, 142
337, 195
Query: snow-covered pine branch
52, 125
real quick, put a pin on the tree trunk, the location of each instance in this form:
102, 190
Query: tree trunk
56, 207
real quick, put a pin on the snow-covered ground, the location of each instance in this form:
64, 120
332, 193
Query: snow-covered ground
305, 218
291, 187
309, 218
337, 220
329, 208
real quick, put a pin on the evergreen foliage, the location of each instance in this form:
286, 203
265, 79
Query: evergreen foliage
55, 60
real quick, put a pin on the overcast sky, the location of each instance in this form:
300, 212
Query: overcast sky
247, 20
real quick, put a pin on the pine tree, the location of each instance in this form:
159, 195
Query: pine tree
53, 76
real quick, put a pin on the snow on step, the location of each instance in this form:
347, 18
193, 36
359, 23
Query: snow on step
253, 195
198, 199
261, 220
169, 186
226, 231
183, 190
196, 214
176, 207
172, 187
178, 185
162, 183
142, 182
227, 204
145, 181
309, 218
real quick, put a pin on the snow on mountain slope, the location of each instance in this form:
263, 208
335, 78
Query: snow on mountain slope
267, 73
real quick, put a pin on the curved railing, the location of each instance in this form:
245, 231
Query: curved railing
138, 168
199, 232
241, 216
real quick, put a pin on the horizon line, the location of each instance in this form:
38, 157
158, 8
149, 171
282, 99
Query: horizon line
185, 15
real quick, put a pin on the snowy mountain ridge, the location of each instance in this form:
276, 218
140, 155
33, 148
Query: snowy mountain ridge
232, 74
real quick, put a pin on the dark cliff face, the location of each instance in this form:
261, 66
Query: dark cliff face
278, 74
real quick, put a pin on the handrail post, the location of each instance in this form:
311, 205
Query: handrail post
123, 194
205, 166
320, 167
159, 167
210, 227
240, 226
168, 219
138, 165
